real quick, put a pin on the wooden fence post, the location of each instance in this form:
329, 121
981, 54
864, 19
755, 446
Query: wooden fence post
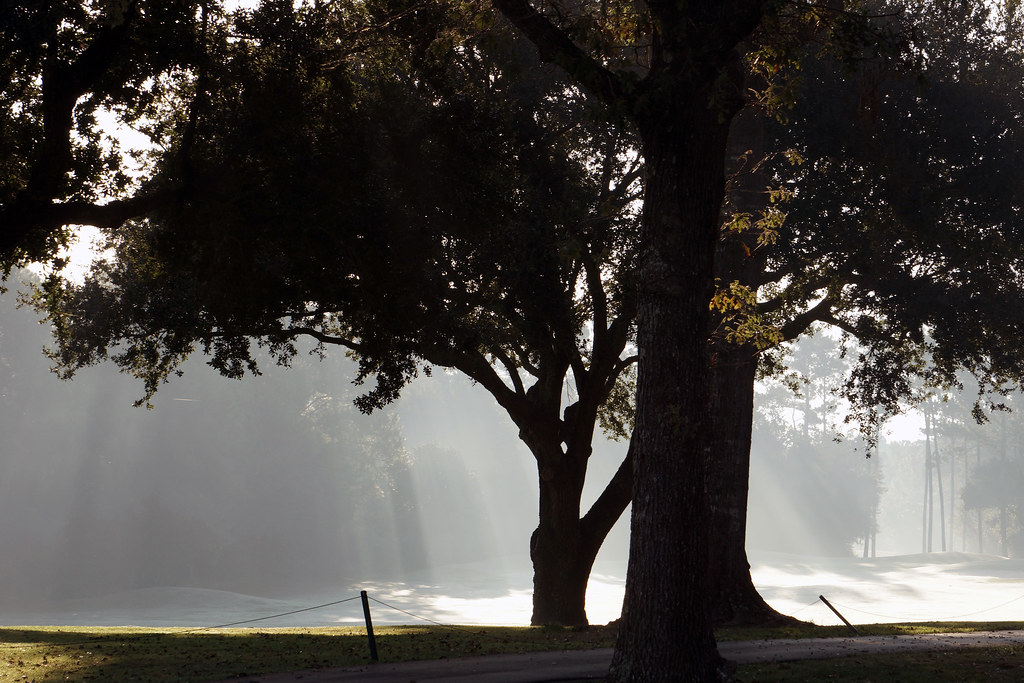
369, 626
829, 605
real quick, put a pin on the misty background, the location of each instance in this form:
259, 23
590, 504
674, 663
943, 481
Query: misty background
277, 486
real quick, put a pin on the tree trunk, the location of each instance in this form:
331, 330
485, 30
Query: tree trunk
564, 546
942, 500
977, 463
561, 561
926, 526
1002, 530
952, 496
665, 632
734, 600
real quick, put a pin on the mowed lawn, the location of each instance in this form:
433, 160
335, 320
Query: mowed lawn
51, 653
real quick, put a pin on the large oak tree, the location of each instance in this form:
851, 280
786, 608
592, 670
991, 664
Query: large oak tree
903, 233
388, 182
223, 187
680, 108
681, 104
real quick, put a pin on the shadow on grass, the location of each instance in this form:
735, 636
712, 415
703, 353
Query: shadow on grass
78, 654
50, 654
992, 665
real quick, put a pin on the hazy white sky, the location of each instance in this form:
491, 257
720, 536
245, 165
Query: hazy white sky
906, 427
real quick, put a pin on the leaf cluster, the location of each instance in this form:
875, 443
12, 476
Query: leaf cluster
366, 179
66, 67
904, 230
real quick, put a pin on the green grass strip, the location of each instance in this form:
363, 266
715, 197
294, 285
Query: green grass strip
49, 654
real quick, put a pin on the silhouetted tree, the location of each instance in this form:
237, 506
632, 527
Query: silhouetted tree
678, 97
894, 229
469, 217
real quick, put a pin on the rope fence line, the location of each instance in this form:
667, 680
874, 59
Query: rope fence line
453, 627
414, 616
273, 616
197, 629
810, 604
946, 618
101, 638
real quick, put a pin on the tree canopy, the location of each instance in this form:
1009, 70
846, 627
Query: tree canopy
878, 155
407, 186
904, 231
305, 184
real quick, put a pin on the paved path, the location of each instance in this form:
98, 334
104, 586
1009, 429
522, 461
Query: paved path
575, 665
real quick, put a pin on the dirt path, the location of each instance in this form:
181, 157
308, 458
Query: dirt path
538, 667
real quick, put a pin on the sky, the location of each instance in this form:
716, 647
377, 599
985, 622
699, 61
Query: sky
905, 427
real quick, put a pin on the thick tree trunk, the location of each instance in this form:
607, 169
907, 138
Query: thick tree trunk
564, 545
667, 599
561, 563
561, 570
734, 599
681, 110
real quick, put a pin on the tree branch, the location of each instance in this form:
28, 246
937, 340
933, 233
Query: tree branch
26, 217
840, 324
820, 311
476, 367
321, 337
612, 502
62, 86
510, 368
555, 47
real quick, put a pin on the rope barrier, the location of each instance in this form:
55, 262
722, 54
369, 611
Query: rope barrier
453, 627
414, 616
810, 604
197, 629
98, 639
450, 627
947, 618
274, 616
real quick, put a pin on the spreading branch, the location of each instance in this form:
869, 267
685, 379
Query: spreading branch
62, 87
555, 47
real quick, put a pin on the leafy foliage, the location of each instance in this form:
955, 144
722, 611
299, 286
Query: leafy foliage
318, 200
406, 182
64, 65
904, 231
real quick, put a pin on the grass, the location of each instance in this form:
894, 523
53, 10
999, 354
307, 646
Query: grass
49, 654
992, 665
44, 654
920, 628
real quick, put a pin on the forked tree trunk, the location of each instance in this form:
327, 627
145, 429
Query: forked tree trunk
561, 562
734, 600
564, 545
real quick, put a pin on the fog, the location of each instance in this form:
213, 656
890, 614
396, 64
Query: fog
277, 489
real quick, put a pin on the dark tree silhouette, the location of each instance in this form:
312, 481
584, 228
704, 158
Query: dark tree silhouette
316, 188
